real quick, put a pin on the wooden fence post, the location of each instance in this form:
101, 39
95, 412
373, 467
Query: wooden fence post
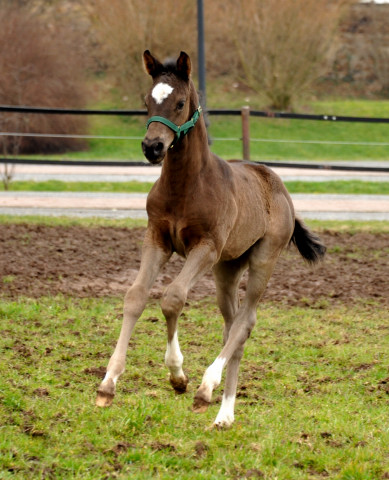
246, 132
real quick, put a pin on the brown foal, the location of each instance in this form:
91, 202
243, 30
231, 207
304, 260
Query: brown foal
227, 217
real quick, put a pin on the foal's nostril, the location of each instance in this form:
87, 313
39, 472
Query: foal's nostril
158, 147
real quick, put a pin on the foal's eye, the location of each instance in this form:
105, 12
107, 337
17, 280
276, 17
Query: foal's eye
180, 105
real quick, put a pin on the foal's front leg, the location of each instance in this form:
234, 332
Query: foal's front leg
199, 261
153, 257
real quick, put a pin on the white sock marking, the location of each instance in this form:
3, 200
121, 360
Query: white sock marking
226, 412
174, 358
108, 377
213, 374
161, 91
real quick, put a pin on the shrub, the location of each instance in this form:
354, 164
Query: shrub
276, 47
283, 45
378, 47
39, 66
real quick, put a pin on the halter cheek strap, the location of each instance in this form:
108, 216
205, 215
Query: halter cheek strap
179, 130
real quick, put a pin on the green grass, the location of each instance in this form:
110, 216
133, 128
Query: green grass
114, 149
313, 395
341, 187
61, 186
71, 221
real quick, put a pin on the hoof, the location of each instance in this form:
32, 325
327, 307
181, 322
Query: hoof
221, 426
105, 394
104, 399
200, 405
179, 384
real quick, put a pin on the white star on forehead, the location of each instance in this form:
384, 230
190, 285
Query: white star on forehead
161, 91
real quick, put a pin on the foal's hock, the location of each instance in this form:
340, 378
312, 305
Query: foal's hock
227, 217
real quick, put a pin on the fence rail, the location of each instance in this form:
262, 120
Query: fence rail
214, 111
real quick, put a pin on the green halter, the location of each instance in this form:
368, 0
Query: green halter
178, 130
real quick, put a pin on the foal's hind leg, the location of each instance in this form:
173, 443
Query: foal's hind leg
227, 278
261, 264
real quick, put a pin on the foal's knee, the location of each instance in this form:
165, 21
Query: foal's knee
173, 301
135, 300
243, 326
251, 321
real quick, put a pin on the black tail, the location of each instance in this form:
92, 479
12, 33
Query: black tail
307, 243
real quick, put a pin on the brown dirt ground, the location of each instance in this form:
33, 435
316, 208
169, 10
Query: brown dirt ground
38, 260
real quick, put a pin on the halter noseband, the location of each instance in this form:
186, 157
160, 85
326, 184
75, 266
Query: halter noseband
179, 130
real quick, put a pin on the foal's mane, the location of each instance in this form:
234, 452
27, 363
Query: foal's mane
169, 66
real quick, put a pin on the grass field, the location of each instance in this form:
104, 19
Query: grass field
312, 403
313, 395
222, 127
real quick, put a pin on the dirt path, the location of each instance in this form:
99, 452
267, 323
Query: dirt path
38, 260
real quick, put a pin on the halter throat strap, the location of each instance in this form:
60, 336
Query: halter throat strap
179, 130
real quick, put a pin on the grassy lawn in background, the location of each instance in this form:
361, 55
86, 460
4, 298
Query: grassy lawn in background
61, 186
341, 187
300, 130
312, 402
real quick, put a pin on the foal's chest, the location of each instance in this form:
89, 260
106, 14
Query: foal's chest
184, 236
185, 219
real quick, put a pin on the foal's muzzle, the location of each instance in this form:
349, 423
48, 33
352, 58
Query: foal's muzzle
154, 150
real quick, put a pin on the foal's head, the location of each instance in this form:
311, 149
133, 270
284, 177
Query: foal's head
168, 103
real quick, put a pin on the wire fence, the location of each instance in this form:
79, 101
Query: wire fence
221, 139
244, 113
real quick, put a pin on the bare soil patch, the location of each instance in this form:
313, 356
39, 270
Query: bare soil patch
38, 260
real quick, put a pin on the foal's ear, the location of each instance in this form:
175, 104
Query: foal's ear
184, 65
152, 65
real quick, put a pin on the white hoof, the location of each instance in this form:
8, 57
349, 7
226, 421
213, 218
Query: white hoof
225, 417
221, 423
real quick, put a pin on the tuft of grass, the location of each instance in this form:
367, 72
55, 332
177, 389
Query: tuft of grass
8, 279
312, 398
